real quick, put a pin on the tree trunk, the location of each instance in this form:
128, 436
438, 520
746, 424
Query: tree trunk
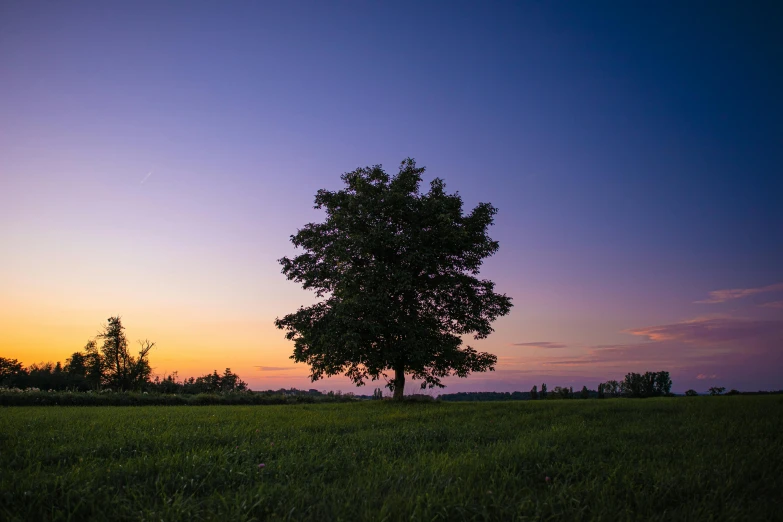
399, 382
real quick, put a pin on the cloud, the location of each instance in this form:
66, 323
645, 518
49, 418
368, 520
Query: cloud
708, 330
541, 344
703, 376
573, 362
700, 343
275, 368
773, 304
721, 296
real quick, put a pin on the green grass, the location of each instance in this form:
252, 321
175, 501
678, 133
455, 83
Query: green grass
699, 458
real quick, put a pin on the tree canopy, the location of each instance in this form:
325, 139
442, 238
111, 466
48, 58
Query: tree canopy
397, 269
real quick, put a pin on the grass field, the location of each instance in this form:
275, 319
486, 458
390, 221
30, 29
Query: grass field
702, 458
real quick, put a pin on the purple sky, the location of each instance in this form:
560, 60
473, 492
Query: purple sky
155, 157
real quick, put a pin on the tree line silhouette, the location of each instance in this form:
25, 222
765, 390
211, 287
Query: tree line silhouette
634, 385
111, 366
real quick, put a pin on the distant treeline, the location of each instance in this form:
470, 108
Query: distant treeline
111, 366
649, 384
558, 392
484, 396
210, 383
634, 385
73, 377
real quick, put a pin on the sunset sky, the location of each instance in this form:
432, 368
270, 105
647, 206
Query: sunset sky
155, 157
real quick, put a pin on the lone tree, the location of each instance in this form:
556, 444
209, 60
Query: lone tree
398, 269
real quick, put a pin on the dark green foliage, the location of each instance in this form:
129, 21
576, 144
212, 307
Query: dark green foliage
399, 268
76, 364
12, 373
209, 383
650, 384
612, 388
484, 396
543, 391
717, 390
93, 361
584, 394
564, 392
733, 392
45, 376
662, 385
633, 385
691, 393
534, 392
653, 460
77, 376
601, 391
42, 374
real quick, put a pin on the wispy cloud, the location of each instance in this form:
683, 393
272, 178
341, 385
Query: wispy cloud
704, 376
147, 176
584, 361
541, 344
274, 368
708, 330
700, 343
773, 304
721, 296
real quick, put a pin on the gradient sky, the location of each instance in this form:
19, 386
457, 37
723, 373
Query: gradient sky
634, 150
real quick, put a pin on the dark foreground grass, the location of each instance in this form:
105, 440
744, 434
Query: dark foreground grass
689, 459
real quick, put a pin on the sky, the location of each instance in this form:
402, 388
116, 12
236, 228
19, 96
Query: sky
155, 158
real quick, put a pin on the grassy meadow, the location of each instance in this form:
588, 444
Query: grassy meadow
701, 458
